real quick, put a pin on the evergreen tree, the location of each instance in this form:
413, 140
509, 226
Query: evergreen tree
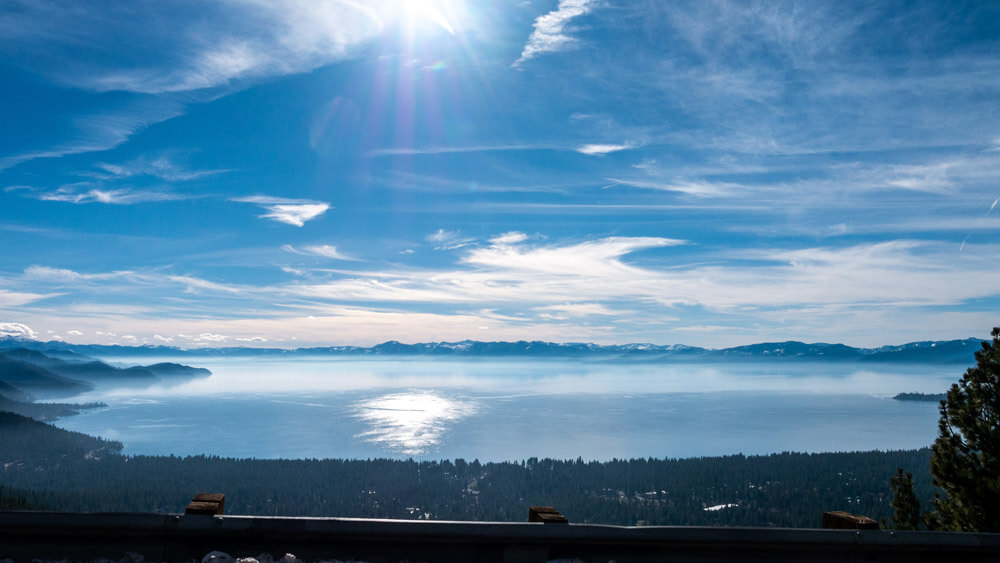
906, 507
965, 460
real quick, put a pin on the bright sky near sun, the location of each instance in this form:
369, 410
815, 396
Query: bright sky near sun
297, 172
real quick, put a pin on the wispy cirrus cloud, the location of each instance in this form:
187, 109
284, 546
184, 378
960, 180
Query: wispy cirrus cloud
694, 188
138, 181
176, 49
91, 132
552, 31
599, 149
449, 240
922, 178
406, 151
512, 237
324, 250
63, 278
85, 192
195, 285
161, 167
900, 274
19, 298
148, 63
65, 275
580, 310
293, 212
591, 258
508, 271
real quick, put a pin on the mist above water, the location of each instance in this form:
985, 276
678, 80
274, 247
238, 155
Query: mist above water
337, 373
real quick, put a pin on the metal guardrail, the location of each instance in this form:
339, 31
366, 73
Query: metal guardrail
157, 537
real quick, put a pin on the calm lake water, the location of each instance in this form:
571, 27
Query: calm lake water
320, 407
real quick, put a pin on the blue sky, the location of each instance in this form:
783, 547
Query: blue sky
295, 172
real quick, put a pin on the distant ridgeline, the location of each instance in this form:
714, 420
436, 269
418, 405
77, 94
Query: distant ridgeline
58, 470
926, 397
951, 351
27, 373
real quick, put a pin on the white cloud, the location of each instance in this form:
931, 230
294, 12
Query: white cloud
193, 284
295, 214
512, 237
698, 189
289, 211
592, 258
83, 193
74, 333
511, 274
177, 50
327, 251
900, 273
545, 290
63, 275
600, 150
124, 281
17, 330
172, 57
324, 250
161, 167
582, 309
923, 178
209, 337
103, 131
449, 240
550, 34
441, 235
19, 298
164, 339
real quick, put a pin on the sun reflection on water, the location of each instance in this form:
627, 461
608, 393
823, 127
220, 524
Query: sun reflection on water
410, 423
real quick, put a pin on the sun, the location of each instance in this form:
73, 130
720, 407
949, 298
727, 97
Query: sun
419, 14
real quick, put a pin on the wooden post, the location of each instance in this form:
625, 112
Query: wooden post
545, 514
837, 520
207, 503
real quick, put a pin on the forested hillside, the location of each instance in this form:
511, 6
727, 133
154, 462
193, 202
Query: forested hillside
68, 471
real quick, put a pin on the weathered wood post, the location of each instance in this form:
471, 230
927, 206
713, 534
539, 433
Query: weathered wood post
207, 503
545, 514
837, 520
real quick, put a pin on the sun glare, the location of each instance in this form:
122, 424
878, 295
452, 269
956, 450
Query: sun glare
418, 14
410, 422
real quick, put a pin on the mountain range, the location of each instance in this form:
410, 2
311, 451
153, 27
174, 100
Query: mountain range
950, 351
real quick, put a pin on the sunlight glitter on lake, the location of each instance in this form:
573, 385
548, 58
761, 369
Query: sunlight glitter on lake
409, 423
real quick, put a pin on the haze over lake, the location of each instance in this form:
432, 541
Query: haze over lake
501, 409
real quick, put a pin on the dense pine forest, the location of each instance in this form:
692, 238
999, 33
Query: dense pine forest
46, 467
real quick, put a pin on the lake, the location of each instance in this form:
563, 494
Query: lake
513, 409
